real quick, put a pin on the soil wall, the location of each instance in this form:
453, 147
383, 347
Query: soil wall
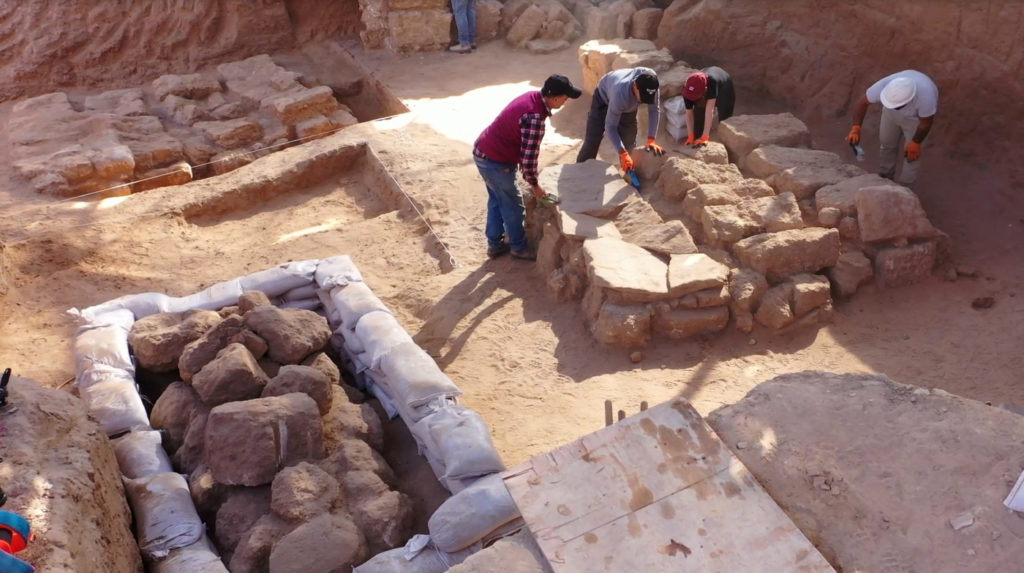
820, 56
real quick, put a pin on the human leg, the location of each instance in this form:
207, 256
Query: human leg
627, 130
726, 102
460, 10
888, 143
505, 211
471, 21
595, 130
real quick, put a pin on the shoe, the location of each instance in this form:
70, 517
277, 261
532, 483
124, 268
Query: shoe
472, 46
460, 49
524, 255
495, 252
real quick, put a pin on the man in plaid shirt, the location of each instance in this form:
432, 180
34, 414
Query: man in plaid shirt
512, 141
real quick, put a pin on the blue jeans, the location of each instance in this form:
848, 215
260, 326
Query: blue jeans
465, 20
505, 209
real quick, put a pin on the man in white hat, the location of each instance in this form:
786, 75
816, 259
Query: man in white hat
909, 101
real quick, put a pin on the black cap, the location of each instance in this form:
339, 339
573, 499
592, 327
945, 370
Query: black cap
647, 85
558, 85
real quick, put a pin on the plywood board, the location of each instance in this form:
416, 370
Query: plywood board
658, 491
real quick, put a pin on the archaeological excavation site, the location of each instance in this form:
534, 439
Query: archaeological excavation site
255, 319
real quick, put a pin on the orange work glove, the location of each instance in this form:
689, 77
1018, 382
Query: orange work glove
913, 151
689, 140
704, 139
625, 160
654, 147
854, 136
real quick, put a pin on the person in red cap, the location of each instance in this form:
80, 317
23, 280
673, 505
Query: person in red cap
613, 110
512, 141
703, 93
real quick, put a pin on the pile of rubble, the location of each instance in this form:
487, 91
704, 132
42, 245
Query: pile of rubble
262, 442
181, 127
765, 239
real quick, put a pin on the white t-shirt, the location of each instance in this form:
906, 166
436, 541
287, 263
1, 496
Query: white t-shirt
926, 98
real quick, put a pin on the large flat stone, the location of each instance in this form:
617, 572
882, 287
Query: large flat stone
799, 171
842, 195
580, 226
742, 134
680, 175
723, 194
593, 188
630, 271
693, 272
779, 255
726, 224
890, 212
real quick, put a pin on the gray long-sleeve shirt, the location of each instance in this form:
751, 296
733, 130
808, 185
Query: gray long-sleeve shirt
616, 88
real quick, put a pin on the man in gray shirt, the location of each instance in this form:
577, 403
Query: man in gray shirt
613, 111
909, 101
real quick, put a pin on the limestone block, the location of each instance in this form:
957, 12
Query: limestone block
526, 27
829, 217
710, 297
511, 11
624, 326
580, 226
671, 82
809, 292
231, 134
850, 271
191, 86
419, 30
668, 238
232, 375
626, 272
303, 491
248, 442
710, 152
849, 230
708, 194
842, 195
775, 310
898, 266
693, 272
120, 102
599, 22
623, 10
591, 188
657, 60
294, 107
373, 15
179, 173
680, 175
778, 255
596, 56
685, 323
799, 171
488, 19
742, 134
564, 284
726, 224
891, 212
746, 287
328, 542
644, 24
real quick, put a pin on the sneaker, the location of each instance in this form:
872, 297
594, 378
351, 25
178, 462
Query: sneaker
460, 49
524, 255
497, 251
472, 46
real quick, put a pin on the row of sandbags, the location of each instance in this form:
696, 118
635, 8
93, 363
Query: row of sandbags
171, 536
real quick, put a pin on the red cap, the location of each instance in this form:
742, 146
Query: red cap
695, 86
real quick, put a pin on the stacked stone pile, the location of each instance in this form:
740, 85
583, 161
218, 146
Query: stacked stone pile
757, 229
276, 453
131, 140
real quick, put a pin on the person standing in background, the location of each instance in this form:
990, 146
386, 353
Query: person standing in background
909, 101
704, 92
465, 22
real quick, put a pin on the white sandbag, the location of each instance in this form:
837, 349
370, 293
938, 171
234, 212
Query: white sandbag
141, 454
383, 398
677, 133
354, 301
102, 345
675, 106
165, 517
215, 297
280, 279
299, 293
415, 559
346, 340
333, 318
473, 513
304, 304
200, 557
121, 317
94, 373
379, 332
420, 431
114, 402
140, 305
414, 377
464, 442
336, 271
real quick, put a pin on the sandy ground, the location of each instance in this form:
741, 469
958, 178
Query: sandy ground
527, 364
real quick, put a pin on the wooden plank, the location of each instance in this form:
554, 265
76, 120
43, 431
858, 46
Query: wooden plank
655, 492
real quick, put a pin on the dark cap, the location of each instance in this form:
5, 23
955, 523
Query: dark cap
647, 85
558, 85
695, 86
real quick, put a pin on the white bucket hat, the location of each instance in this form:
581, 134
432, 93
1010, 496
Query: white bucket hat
898, 92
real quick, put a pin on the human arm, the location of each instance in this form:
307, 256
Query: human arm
913, 148
709, 116
689, 126
531, 130
860, 109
